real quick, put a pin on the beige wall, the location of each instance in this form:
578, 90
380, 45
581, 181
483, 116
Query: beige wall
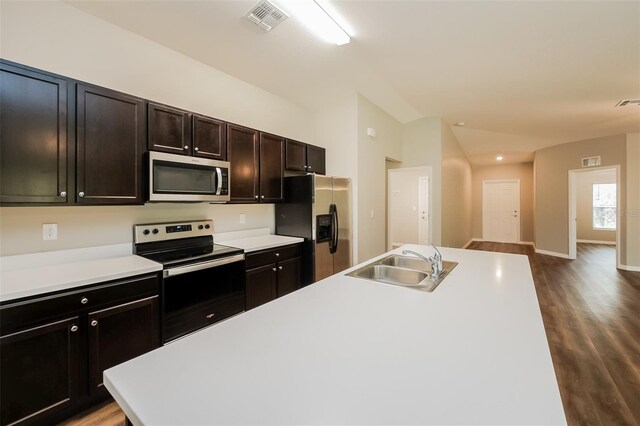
584, 205
421, 146
524, 173
372, 180
59, 38
552, 166
632, 212
456, 192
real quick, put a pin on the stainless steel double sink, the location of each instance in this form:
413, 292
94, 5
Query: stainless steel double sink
406, 271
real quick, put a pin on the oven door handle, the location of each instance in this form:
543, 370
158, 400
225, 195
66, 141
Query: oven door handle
172, 272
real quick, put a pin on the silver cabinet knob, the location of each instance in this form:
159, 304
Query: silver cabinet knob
280, 268
277, 254
274, 269
84, 300
81, 194
256, 197
94, 323
74, 328
210, 316
186, 147
263, 197
195, 149
63, 194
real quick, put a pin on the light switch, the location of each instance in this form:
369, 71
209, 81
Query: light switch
243, 218
49, 231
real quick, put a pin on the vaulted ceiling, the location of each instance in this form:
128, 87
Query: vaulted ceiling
520, 75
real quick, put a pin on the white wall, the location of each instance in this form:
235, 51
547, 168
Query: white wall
57, 37
632, 212
404, 203
584, 205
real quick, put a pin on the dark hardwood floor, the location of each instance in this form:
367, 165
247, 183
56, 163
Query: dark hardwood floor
591, 314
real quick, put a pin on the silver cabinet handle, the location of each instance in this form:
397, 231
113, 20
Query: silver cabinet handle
74, 328
84, 300
280, 267
94, 323
186, 147
81, 194
274, 269
195, 149
63, 194
210, 316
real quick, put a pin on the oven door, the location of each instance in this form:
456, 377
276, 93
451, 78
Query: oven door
182, 178
198, 295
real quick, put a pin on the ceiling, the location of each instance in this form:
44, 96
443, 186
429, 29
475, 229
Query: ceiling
521, 75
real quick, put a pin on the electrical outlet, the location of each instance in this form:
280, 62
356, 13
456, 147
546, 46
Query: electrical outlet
371, 214
243, 218
49, 231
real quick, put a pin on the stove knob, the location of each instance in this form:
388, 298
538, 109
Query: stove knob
200, 226
155, 230
207, 227
146, 232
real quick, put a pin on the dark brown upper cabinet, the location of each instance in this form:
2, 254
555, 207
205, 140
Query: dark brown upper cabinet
209, 138
303, 157
271, 168
169, 129
33, 136
243, 152
110, 134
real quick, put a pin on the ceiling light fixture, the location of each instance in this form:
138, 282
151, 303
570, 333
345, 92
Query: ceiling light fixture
499, 157
314, 14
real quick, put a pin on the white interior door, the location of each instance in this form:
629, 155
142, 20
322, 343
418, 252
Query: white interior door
423, 210
501, 211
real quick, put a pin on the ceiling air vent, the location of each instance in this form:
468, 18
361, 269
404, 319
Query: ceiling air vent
629, 102
591, 161
266, 15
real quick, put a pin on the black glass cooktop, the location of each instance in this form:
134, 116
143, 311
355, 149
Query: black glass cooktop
190, 250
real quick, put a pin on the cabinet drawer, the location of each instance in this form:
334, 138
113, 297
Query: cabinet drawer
265, 257
39, 309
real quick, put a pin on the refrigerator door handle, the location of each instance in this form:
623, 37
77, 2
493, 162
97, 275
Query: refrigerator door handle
334, 228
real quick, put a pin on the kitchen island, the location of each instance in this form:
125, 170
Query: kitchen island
352, 351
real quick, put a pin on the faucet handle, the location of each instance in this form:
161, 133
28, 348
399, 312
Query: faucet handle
437, 255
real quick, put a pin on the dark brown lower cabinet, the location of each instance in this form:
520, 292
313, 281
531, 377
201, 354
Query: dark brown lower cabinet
39, 371
272, 273
121, 333
54, 348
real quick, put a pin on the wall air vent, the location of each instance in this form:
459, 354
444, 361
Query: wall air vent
628, 102
266, 15
591, 161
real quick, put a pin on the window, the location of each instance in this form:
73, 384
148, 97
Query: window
604, 206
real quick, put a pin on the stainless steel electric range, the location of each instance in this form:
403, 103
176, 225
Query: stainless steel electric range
202, 282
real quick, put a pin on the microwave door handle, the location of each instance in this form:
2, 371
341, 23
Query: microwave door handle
219, 178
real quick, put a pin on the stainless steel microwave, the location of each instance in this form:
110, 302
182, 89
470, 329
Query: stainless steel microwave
180, 178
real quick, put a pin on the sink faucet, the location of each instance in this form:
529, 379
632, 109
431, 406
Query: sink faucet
435, 261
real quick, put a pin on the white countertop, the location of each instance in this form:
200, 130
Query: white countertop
352, 351
39, 273
254, 239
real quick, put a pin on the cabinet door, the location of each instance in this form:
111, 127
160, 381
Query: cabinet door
243, 153
33, 136
316, 160
110, 132
271, 168
296, 156
120, 333
261, 285
209, 138
169, 129
288, 276
40, 369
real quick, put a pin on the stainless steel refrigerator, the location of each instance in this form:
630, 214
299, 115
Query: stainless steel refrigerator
318, 209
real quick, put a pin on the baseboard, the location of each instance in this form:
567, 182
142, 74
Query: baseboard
629, 268
527, 243
609, 243
553, 253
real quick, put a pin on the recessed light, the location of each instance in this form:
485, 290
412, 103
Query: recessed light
499, 157
460, 124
